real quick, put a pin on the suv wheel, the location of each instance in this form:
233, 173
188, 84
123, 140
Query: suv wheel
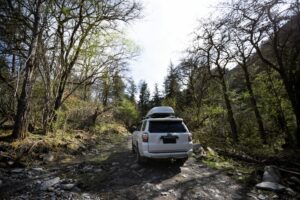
181, 161
140, 160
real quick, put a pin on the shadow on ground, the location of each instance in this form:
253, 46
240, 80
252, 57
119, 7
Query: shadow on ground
110, 171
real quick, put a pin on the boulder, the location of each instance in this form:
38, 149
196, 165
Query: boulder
271, 174
48, 184
270, 186
197, 148
68, 186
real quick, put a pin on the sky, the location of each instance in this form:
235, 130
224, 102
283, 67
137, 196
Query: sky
163, 34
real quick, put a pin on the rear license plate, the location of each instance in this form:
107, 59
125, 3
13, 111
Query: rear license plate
169, 140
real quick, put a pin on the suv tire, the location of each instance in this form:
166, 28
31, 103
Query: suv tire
140, 160
181, 161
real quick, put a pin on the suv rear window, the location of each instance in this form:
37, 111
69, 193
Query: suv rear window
166, 127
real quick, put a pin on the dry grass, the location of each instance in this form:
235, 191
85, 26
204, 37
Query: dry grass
61, 143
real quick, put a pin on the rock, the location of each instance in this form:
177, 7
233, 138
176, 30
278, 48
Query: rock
164, 193
53, 196
295, 180
50, 183
237, 196
86, 196
10, 163
87, 169
48, 158
262, 197
271, 174
98, 170
17, 170
149, 187
184, 175
291, 192
134, 166
197, 148
270, 186
38, 169
253, 196
172, 192
239, 174
76, 189
131, 195
158, 187
115, 163
68, 186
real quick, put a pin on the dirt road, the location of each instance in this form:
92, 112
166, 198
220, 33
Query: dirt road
109, 171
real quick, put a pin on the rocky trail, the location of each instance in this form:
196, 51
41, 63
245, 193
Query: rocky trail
110, 171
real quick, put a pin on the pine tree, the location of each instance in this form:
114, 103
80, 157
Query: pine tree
156, 99
144, 98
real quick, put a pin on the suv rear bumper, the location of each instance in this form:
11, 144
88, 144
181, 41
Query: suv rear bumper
167, 155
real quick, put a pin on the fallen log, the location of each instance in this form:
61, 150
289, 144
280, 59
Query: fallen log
289, 171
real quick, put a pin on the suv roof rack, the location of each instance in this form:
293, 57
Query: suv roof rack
160, 111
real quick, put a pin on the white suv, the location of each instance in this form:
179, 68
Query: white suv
162, 136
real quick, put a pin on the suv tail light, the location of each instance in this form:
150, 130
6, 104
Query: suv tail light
145, 137
190, 138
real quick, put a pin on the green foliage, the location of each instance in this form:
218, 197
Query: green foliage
273, 102
215, 161
170, 102
74, 114
242, 172
127, 113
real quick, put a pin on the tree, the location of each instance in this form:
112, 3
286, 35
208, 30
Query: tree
131, 90
77, 22
118, 87
23, 107
156, 98
172, 88
171, 83
214, 41
196, 78
127, 112
144, 98
242, 54
85, 49
272, 28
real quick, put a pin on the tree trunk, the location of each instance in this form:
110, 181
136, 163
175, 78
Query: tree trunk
230, 116
46, 113
23, 108
293, 92
254, 105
